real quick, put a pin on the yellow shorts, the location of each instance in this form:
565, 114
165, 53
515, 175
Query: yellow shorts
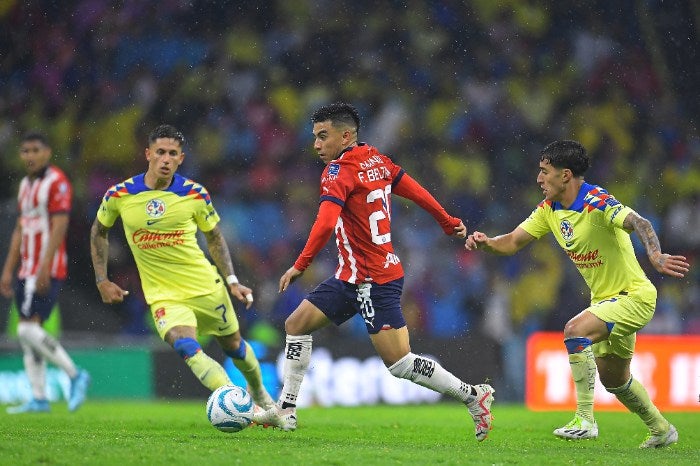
629, 312
211, 314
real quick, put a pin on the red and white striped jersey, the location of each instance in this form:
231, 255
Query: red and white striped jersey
38, 199
356, 190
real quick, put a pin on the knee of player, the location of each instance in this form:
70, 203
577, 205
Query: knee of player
294, 326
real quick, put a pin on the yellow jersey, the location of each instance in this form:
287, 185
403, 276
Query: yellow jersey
590, 232
160, 227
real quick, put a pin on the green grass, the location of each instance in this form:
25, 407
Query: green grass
177, 433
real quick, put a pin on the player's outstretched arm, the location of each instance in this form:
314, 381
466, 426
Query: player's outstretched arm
411, 189
504, 245
220, 254
674, 266
110, 292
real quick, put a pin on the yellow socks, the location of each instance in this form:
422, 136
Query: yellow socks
208, 371
635, 397
249, 367
583, 370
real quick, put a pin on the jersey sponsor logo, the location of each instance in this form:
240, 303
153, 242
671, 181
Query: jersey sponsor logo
617, 211
567, 231
424, 367
585, 260
146, 239
155, 208
152, 221
391, 259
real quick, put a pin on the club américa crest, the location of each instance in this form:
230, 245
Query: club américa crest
567, 231
155, 208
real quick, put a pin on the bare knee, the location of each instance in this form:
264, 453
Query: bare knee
305, 319
586, 325
179, 332
293, 327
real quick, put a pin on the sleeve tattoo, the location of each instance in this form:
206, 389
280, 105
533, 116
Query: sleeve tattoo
645, 231
99, 249
219, 252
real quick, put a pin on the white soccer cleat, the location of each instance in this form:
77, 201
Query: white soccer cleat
578, 429
660, 441
262, 398
480, 410
285, 419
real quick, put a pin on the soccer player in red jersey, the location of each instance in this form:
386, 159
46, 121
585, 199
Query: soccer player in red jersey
356, 188
38, 246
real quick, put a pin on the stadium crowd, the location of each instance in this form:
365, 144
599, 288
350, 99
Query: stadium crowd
462, 97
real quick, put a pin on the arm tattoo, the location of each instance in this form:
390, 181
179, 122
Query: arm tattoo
645, 231
99, 249
218, 250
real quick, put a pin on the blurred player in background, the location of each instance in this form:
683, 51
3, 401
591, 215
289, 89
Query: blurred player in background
161, 212
356, 189
594, 230
38, 246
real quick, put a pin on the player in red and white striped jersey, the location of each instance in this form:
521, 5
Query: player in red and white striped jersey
38, 248
356, 189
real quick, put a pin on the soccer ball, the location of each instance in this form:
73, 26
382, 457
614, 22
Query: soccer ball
230, 408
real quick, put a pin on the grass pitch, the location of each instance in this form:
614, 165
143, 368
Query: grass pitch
177, 433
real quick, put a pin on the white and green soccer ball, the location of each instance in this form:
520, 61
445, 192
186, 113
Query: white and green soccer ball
230, 408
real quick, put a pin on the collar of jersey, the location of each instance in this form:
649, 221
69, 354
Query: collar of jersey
348, 149
578, 204
41, 173
139, 184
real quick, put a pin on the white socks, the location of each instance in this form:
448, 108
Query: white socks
31, 335
35, 368
298, 354
429, 373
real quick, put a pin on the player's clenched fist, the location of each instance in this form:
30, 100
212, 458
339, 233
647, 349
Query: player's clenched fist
475, 240
111, 293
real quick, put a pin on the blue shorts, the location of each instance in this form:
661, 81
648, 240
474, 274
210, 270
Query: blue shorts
30, 303
379, 305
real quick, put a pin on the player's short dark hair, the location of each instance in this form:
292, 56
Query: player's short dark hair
166, 131
566, 154
35, 136
338, 113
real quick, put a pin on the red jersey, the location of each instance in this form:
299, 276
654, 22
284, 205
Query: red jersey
359, 185
38, 199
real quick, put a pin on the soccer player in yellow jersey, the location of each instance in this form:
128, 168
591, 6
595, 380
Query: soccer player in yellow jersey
161, 212
594, 230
